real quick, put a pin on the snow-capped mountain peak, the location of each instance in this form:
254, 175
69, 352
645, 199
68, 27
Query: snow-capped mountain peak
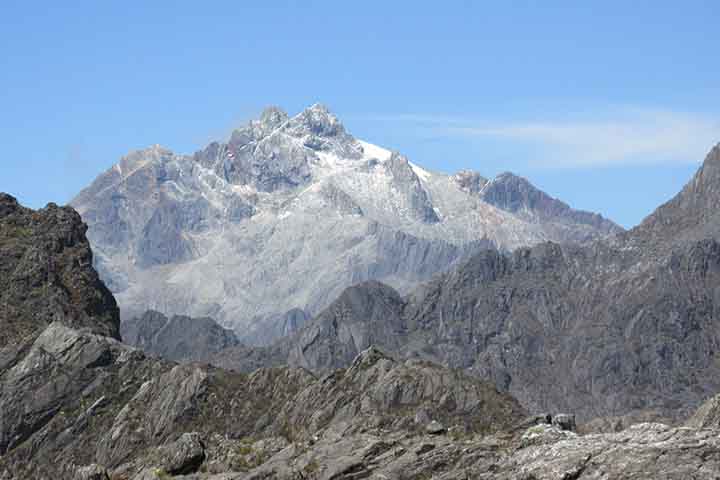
290, 211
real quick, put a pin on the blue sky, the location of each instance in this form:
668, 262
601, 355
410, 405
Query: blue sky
607, 105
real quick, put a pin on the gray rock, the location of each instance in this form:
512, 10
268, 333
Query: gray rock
564, 421
435, 428
707, 416
361, 317
181, 457
422, 417
417, 198
542, 434
92, 472
46, 275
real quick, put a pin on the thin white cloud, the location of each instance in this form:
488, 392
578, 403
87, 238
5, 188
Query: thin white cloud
629, 137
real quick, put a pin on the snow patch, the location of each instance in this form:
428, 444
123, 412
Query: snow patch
373, 151
423, 174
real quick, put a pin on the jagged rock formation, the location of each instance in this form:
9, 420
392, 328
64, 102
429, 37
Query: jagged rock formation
291, 211
75, 403
623, 328
46, 275
178, 337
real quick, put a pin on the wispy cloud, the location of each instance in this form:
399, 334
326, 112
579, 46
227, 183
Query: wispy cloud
624, 137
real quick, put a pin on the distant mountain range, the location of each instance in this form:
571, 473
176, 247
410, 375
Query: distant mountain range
625, 327
266, 230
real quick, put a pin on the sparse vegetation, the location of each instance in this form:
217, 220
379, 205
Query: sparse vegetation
311, 467
161, 474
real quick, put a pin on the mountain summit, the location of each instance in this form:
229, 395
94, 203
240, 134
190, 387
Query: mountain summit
693, 214
289, 212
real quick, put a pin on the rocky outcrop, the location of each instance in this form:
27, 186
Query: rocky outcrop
178, 338
543, 452
92, 472
707, 416
409, 185
94, 400
46, 276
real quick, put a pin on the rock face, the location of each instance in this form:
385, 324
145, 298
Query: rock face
691, 216
610, 329
515, 194
93, 400
46, 275
363, 316
177, 338
707, 416
287, 214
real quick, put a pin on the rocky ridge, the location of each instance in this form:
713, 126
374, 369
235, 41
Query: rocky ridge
178, 337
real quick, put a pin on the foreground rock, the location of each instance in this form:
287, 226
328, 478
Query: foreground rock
644, 451
46, 275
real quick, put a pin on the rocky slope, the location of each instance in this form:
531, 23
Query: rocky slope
75, 403
624, 328
72, 395
289, 212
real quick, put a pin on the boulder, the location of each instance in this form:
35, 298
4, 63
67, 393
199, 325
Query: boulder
564, 421
435, 428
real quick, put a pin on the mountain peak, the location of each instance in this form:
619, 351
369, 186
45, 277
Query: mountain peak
516, 194
273, 116
8, 204
693, 213
317, 120
319, 107
470, 181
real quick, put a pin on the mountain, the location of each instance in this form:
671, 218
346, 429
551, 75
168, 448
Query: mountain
75, 403
692, 215
624, 327
178, 337
264, 231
